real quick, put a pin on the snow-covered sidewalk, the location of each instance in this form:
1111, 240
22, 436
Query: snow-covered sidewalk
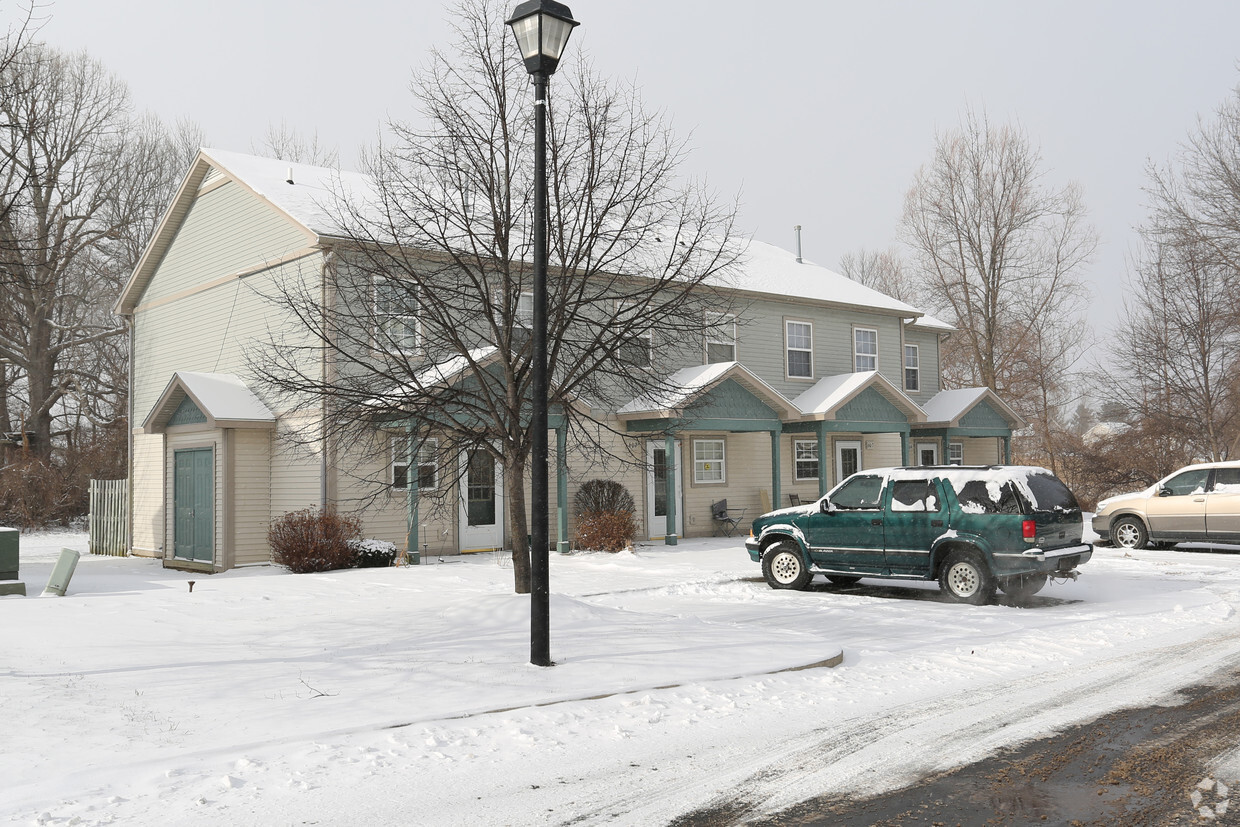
404, 696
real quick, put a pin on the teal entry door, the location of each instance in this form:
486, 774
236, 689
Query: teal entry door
193, 496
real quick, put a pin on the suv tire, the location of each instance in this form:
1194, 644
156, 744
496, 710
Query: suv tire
1129, 533
784, 568
965, 578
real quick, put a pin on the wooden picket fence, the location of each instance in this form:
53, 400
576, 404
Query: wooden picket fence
109, 517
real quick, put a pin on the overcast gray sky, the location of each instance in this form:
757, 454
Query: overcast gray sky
816, 112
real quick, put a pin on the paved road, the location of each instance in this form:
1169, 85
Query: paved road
1134, 768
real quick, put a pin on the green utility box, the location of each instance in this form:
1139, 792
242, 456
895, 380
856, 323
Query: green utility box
8, 553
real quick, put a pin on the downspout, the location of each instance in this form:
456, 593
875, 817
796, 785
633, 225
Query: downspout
129, 319
327, 263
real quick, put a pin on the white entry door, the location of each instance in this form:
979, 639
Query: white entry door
481, 501
847, 460
656, 491
927, 453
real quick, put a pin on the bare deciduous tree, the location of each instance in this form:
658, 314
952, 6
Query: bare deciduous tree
999, 254
882, 270
430, 298
86, 184
286, 144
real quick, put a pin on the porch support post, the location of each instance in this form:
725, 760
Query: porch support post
775, 471
904, 447
1007, 450
824, 459
669, 537
413, 555
561, 486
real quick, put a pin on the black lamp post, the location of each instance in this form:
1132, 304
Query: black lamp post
542, 28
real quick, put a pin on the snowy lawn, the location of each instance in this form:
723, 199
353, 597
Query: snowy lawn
404, 696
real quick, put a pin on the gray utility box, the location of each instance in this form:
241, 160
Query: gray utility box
8, 553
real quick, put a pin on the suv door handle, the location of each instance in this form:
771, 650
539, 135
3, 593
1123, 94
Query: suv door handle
936, 523
876, 522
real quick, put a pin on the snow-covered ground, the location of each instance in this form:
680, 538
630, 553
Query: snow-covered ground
404, 696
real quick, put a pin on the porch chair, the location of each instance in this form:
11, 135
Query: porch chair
794, 499
726, 520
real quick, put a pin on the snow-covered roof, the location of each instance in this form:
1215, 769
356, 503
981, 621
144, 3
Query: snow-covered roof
686, 383
312, 197
929, 322
948, 406
830, 392
440, 373
223, 398
772, 270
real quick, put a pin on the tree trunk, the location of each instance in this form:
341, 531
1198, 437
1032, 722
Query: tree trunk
518, 524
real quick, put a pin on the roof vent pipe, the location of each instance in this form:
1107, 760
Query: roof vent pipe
289, 177
798, 231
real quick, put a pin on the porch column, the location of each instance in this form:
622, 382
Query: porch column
413, 555
670, 538
904, 447
824, 459
776, 493
561, 486
1007, 450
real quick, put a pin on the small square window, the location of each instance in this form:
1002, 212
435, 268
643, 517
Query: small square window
708, 461
865, 349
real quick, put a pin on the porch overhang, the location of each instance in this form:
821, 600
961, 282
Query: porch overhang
864, 402
211, 400
725, 396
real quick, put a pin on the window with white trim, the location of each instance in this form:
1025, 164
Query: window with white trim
709, 461
912, 368
865, 349
805, 459
955, 453
720, 338
395, 306
638, 348
524, 317
428, 464
799, 342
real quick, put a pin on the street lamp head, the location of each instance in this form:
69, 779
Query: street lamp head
542, 28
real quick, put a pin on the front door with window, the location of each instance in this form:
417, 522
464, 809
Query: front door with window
482, 501
927, 453
847, 460
193, 505
657, 493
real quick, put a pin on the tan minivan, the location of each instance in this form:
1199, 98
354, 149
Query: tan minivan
1199, 503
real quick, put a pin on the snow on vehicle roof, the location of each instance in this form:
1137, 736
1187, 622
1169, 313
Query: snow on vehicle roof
994, 476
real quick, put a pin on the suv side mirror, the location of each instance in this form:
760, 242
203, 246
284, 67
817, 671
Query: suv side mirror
825, 506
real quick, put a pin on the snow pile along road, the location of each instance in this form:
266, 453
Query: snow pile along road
405, 696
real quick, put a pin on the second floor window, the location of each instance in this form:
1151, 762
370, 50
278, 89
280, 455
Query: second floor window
395, 314
637, 350
525, 311
912, 369
799, 337
720, 338
865, 349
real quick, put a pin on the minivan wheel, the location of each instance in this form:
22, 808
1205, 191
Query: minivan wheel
783, 568
1021, 587
965, 578
1129, 533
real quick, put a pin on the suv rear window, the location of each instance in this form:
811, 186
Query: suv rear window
1049, 494
987, 497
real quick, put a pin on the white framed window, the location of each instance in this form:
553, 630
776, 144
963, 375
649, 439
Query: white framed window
805, 459
912, 368
428, 464
395, 306
525, 311
720, 338
638, 348
799, 342
955, 453
709, 461
865, 349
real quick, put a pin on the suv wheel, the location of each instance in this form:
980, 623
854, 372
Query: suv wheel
1129, 533
965, 577
783, 567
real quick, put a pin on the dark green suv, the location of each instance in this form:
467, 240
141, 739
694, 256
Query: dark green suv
970, 528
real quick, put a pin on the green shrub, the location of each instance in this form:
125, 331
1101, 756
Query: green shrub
314, 540
372, 554
604, 516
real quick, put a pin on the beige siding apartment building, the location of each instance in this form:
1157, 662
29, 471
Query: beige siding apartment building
821, 377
